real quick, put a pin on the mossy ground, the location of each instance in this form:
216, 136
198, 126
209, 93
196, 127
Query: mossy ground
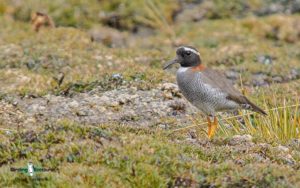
118, 156
113, 155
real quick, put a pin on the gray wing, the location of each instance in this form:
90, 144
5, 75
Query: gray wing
218, 80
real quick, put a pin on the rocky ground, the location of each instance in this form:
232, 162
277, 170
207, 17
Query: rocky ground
124, 105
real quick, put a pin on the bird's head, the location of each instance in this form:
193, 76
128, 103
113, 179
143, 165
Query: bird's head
186, 56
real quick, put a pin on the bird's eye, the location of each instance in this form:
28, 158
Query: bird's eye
188, 53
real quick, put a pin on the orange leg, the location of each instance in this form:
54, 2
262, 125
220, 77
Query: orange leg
209, 126
212, 127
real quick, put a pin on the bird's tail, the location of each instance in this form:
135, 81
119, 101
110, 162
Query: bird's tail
256, 108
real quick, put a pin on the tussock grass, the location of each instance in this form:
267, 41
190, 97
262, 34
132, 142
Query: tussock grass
281, 125
157, 18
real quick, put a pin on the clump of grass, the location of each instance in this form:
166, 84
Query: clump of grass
281, 125
152, 13
157, 18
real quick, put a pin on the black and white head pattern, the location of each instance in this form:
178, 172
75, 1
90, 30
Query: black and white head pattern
188, 56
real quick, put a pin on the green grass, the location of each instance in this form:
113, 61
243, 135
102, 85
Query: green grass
281, 125
282, 122
117, 156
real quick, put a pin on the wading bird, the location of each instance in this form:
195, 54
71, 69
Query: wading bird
207, 89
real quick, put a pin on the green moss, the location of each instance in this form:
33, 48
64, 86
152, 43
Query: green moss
122, 152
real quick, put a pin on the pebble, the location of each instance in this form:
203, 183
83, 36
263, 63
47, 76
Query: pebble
232, 75
239, 139
265, 59
289, 159
74, 104
277, 79
282, 148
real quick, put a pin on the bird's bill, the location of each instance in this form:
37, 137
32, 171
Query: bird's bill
170, 63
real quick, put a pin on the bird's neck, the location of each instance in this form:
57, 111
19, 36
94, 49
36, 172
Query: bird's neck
199, 67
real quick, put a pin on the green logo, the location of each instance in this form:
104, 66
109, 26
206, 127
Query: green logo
31, 170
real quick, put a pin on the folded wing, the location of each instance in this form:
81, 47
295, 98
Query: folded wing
218, 80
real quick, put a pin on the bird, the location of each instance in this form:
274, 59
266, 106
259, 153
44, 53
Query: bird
39, 19
207, 89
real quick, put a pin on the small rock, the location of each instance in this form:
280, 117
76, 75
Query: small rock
126, 98
193, 134
15, 103
239, 139
257, 157
170, 90
264, 145
239, 162
178, 106
191, 140
117, 76
37, 108
228, 126
282, 148
74, 104
277, 79
30, 64
114, 104
265, 59
167, 95
101, 109
123, 101
259, 79
294, 74
289, 159
232, 75
162, 126
295, 143
169, 87
104, 99
82, 113
30, 136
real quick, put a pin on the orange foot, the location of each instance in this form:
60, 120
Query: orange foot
212, 127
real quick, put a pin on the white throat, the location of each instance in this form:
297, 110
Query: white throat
182, 69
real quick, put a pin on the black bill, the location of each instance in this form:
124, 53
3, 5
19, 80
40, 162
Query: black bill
170, 63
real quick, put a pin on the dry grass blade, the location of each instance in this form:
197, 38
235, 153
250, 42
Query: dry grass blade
280, 124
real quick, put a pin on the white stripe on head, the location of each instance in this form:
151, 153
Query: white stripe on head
191, 50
